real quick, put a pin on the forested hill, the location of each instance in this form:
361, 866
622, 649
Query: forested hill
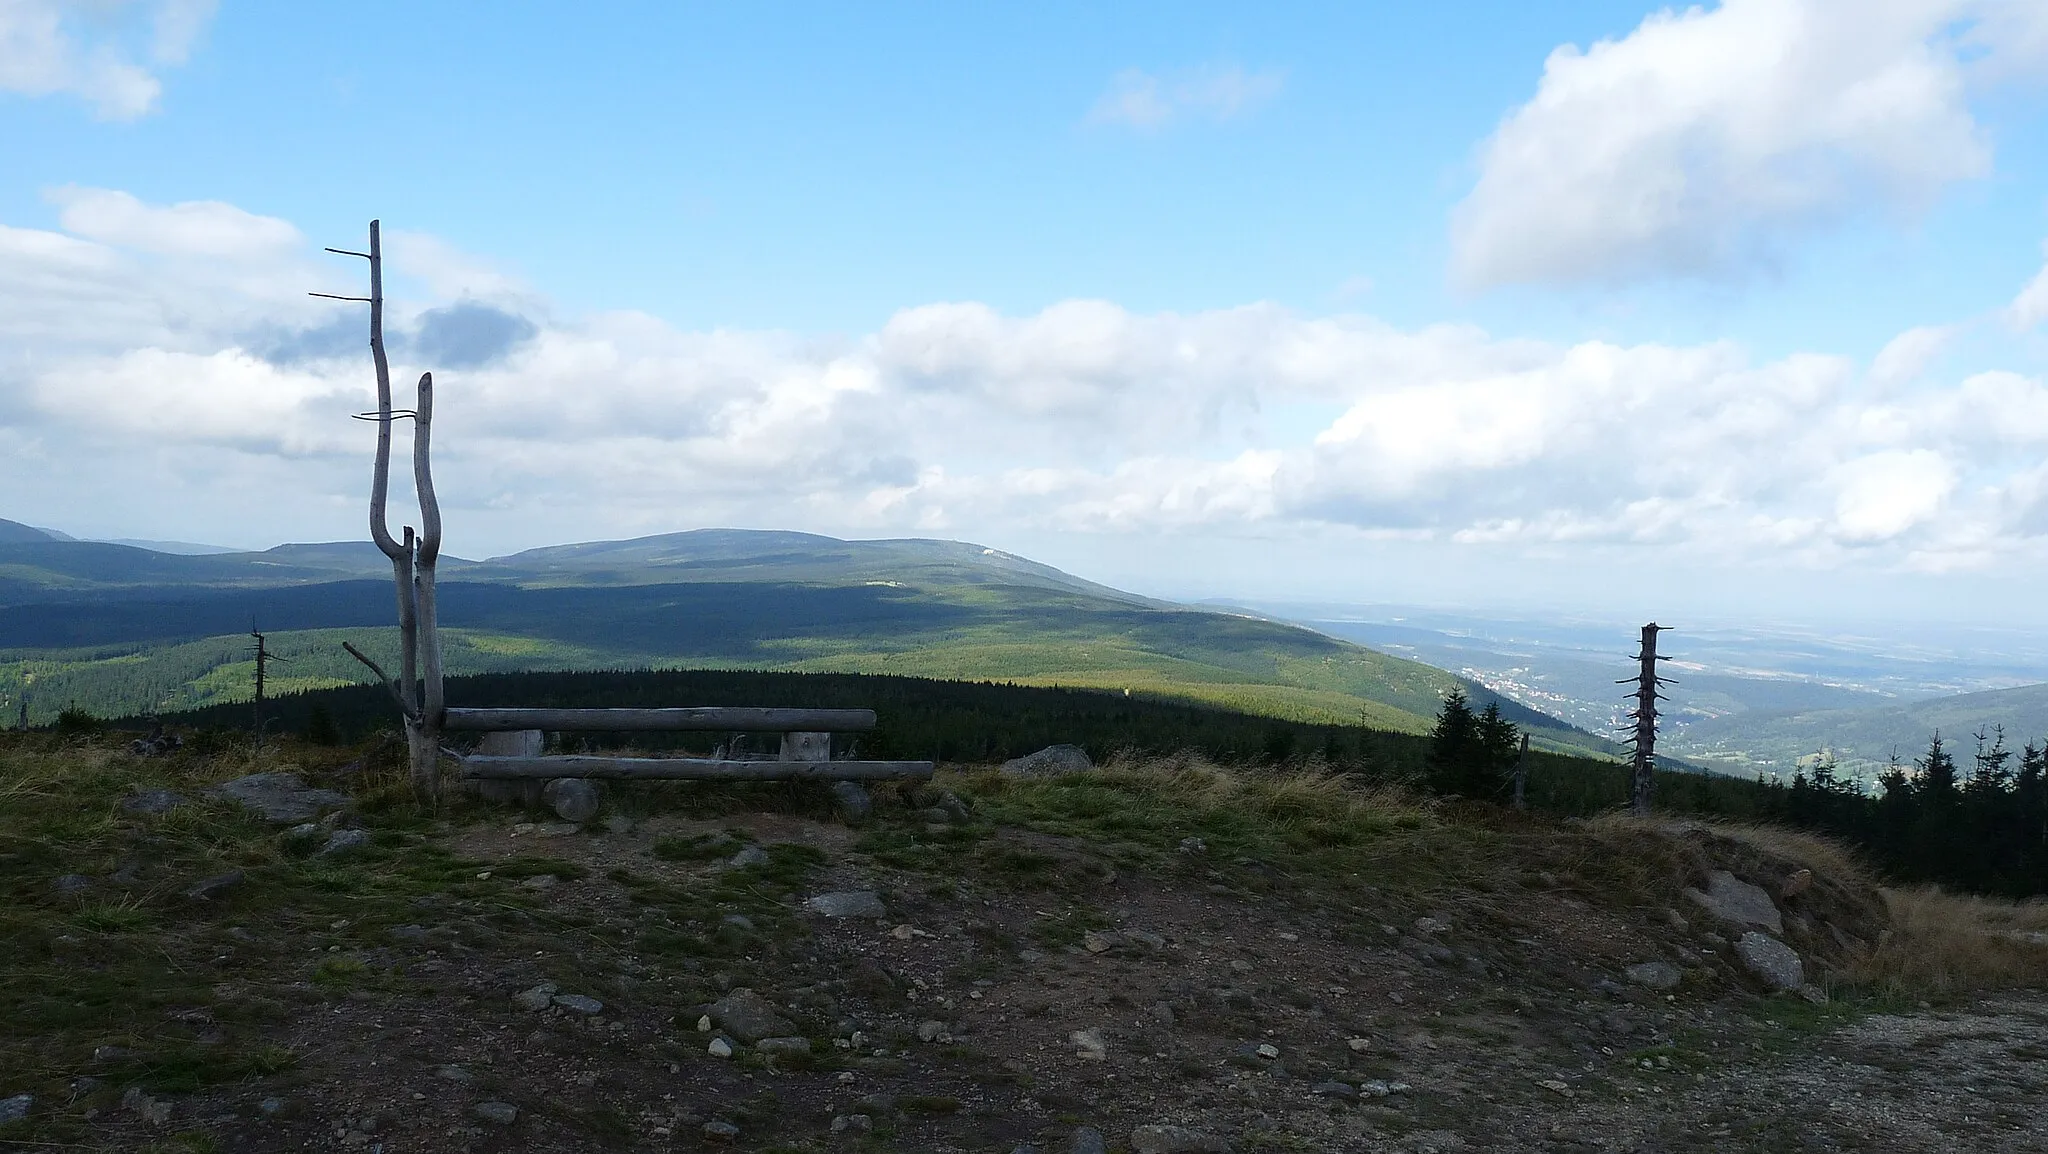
120, 630
1861, 742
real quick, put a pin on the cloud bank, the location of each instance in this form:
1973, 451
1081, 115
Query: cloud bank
1698, 143
167, 353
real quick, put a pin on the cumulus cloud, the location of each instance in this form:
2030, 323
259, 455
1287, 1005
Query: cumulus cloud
957, 419
100, 52
1139, 99
1698, 142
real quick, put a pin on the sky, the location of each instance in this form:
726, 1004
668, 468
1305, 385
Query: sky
1728, 310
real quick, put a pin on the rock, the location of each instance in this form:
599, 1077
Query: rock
498, 1113
16, 1108
273, 1107
1432, 926
410, 934
930, 1031
1656, 975
71, 885
579, 1004
207, 889
853, 802
791, 1047
855, 1123
1557, 1087
1176, 1140
1052, 761
1771, 960
540, 882
536, 999
721, 1132
1737, 902
455, 1074
1375, 1089
1146, 938
1193, 845
572, 798
750, 1017
1798, 883
739, 922
1359, 1045
154, 1111
956, 811
1267, 1050
342, 841
1089, 1044
719, 1048
1086, 1140
848, 904
152, 801
751, 857
1096, 943
1340, 1090
278, 797
618, 825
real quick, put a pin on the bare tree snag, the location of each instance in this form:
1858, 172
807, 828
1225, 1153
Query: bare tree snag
1522, 773
1645, 715
412, 558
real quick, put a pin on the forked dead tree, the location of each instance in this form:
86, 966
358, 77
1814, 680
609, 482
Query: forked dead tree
417, 689
513, 738
1645, 715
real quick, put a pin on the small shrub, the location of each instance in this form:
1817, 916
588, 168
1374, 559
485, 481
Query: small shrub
76, 722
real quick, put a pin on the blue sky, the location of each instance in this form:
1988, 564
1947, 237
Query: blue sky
1402, 290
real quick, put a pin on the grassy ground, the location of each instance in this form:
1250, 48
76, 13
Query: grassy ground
338, 985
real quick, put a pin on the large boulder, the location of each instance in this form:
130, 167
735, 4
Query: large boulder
1771, 960
1052, 761
1738, 903
278, 797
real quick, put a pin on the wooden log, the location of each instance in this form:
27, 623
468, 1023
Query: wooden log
689, 769
712, 718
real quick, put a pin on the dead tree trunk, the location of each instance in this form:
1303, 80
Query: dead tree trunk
1645, 715
1522, 773
413, 559
262, 660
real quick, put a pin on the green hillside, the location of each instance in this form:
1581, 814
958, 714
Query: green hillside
1862, 740
117, 630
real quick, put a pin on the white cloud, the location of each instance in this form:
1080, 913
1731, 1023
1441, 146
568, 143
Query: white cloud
2030, 307
86, 49
132, 349
201, 228
1907, 355
1885, 494
1697, 143
1140, 99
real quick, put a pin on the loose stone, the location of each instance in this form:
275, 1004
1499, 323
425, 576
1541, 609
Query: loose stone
500, 1113
536, 999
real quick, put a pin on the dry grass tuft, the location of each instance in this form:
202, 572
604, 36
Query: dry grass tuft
1284, 797
1952, 943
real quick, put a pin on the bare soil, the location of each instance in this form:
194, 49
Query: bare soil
1228, 997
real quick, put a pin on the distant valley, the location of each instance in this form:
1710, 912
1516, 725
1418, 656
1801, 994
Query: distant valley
1743, 700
